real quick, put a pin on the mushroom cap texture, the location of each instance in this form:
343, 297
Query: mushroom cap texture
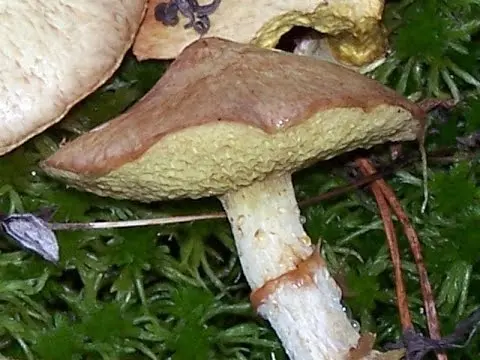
263, 22
225, 115
53, 54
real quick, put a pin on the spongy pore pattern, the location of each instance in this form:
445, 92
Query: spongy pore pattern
212, 159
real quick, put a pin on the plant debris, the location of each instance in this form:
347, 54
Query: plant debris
33, 233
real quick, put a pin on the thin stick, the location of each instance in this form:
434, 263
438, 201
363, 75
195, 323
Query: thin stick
345, 188
385, 213
416, 248
134, 223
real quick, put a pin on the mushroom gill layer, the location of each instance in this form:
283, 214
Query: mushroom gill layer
214, 158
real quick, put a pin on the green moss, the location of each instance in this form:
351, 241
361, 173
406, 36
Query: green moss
177, 291
435, 47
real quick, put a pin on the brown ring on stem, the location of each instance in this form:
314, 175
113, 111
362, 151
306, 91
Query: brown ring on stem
300, 276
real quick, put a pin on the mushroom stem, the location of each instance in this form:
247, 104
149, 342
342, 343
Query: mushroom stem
291, 285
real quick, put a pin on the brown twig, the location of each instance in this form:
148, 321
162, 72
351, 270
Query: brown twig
339, 190
431, 103
415, 246
386, 215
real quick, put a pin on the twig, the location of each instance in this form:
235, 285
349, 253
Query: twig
415, 246
345, 188
386, 215
429, 104
135, 223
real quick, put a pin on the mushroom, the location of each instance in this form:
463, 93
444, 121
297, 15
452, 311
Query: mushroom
55, 53
356, 36
235, 121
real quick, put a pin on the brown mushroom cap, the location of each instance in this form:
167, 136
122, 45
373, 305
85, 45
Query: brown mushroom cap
225, 115
357, 35
54, 53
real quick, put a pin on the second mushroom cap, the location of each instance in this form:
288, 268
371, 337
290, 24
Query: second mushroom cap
355, 35
53, 54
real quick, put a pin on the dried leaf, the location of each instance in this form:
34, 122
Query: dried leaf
32, 233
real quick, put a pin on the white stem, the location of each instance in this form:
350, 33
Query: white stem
304, 309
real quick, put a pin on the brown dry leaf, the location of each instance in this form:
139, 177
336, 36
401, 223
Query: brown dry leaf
358, 37
54, 53
364, 347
